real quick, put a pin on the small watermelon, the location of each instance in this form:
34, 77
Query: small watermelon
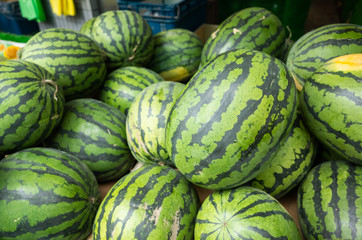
152, 202
95, 133
75, 60
250, 28
46, 194
318, 46
31, 105
330, 201
331, 101
125, 36
123, 84
177, 54
147, 120
244, 213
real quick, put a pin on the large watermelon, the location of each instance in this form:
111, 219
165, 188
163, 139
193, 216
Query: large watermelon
331, 101
244, 213
31, 105
75, 60
251, 28
147, 120
231, 118
177, 54
318, 46
125, 36
330, 201
152, 202
94, 132
123, 84
46, 194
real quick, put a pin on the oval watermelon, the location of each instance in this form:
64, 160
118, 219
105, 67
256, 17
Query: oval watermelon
46, 194
231, 118
152, 202
31, 105
95, 133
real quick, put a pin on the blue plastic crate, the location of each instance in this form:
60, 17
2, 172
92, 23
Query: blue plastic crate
188, 14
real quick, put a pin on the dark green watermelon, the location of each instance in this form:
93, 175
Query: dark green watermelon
329, 201
46, 194
75, 60
125, 36
94, 132
231, 118
152, 202
31, 105
244, 213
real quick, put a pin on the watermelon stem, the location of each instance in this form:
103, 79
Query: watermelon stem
51, 82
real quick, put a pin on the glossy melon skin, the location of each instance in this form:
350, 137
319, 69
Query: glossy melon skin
231, 118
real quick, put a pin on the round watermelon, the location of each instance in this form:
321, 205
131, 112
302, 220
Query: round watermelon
231, 118
46, 194
31, 105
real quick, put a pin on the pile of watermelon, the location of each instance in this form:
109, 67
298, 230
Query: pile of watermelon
248, 116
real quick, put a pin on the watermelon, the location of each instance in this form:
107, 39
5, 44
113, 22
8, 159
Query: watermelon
318, 46
330, 203
231, 118
177, 54
152, 202
46, 194
290, 164
123, 84
125, 36
31, 105
87, 27
95, 133
253, 28
331, 102
244, 212
75, 60
147, 119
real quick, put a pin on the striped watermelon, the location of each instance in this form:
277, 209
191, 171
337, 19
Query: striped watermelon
46, 194
290, 164
124, 84
318, 46
153, 202
331, 101
75, 60
95, 133
244, 213
329, 201
125, 36
87, 27
31, 105
251, 28
177, 54
231, 118
147, 120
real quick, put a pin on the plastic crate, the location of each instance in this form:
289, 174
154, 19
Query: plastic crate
188, 14
11, 20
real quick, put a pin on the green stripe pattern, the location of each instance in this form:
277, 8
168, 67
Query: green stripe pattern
290, 164
75, 60
31, 105
147, 120
87, 27
95, 133
46, 194
152, 202
331, 102
230, 118
125, 37
251, 28
123, 84
176, 49
244, 213
318, 46
329, 201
